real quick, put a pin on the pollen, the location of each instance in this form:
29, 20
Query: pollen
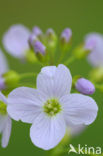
3, 108
52, 107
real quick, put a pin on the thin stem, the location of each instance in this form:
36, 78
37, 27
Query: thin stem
70, 60
26, 75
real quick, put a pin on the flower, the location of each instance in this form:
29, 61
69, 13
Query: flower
94, 43
66, 35
51, 108
15, 40
84, 86
3, 69
5, 121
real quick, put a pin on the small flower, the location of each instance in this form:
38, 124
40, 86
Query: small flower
15, 40
39, 48
84, 86
66, 35
94, 43
51, 108
5, 121
3, 70
37, 31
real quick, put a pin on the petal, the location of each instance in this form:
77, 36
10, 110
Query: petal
79, 109
24, 104
15, 40
49, 70
3, 63
6, 133
54, 82
47, 132
75, 130
3, 120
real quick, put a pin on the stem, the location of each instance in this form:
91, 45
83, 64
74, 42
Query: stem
25, 75
70, 60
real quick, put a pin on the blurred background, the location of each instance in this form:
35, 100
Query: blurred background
82, 17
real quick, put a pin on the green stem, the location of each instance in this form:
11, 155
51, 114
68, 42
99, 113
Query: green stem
70, 60
26, 75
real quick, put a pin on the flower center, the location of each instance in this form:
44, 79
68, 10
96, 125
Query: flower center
3, 108
52, 107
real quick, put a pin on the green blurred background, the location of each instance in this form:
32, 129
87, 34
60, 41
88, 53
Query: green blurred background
82, 16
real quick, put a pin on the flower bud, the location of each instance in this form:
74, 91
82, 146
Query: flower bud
11, 79
2, 83
51, 39
40, 51
37, 31
66, 35
32, 39
84, 86
50, 33
39, 48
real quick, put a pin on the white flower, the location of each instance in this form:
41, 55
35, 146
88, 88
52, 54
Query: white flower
15, 40
3, 69
5, 121
94, 42
51, 108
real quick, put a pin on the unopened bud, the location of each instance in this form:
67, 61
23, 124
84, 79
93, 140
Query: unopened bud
39, 48
37, 31
66, 35
32, 39
84, 86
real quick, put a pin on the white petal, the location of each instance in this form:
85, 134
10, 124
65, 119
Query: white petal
15, 40
3, 63
47, 132
49, 70
75, 130
3, 119
6, 133
79, 109
25, 104
55, 82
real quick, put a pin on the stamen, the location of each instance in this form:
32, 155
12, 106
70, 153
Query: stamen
52, 107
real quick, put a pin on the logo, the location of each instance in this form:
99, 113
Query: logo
84, 150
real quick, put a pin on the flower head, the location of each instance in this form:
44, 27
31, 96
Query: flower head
15, 40
84, 86
94, 43
51, 108
66, 35
5, 121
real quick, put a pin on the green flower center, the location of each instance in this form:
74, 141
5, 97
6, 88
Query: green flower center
3, 108
52, 107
